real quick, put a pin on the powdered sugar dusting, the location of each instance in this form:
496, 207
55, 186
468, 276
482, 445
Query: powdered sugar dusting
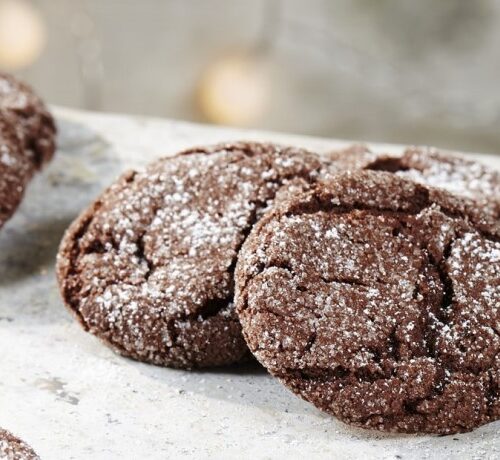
454, 174
29, 118
27, 134
381, 308
151, 264
428, 166
15, 171
12, 448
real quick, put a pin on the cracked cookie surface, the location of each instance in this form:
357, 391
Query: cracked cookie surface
377, 299
426, 165
12, 448
148, 267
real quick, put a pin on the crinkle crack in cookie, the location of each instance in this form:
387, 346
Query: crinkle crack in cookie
426, 165
377, 299
149, 266
26, 112
12, 448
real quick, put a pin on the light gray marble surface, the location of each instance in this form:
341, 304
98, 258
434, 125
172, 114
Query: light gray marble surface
72, 398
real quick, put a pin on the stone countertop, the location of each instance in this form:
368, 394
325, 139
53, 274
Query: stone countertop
70, 397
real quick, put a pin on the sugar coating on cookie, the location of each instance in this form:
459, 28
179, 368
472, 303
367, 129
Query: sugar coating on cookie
13, 448
25, 111
429, 166
378, 300
149, 266
27, 141
16, 169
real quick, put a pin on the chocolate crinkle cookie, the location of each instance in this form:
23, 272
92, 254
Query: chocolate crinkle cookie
27, 141
427, 165
12, 448
26, 112
16, 170
148, 267
377, 299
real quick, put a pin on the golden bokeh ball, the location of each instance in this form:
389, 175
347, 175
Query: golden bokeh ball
22, 34
234, 90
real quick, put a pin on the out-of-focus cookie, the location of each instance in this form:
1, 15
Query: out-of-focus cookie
35, 126
27, 141
16, 170
12, 448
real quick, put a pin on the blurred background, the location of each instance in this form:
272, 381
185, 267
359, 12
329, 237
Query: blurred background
416, 72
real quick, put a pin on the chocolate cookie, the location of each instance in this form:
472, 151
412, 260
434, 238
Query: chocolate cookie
148, 267
27, 141
377, 299
12, 448
16, 170
455, 174
34, 125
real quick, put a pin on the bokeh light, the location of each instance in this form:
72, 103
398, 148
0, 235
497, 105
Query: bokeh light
22, 34
235, 90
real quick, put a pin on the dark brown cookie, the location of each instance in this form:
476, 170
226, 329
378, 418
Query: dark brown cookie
34, 125
12, 448
426, 165
27, 141
16, 170
148, 267
377, 299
